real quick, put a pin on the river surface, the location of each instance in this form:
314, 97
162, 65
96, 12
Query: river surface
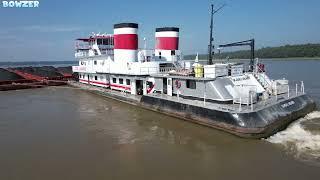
66, 133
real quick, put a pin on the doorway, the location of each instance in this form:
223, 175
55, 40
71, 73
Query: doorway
164, 85
139, 87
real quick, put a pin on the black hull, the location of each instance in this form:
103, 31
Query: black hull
257, 124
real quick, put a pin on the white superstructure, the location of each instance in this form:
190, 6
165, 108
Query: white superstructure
115, 61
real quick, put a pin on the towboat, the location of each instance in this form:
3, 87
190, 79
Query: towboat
233, 97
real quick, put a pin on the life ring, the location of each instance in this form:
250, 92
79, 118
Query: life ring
178, 84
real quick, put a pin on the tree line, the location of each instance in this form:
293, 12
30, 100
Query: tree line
287, 51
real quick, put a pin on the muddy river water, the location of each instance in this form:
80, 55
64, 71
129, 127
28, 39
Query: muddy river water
67, 133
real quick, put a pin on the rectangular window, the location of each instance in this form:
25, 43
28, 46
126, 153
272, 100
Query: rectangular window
120, 81
95, 62
99, 41
95, 77
173, 52
191, 84
114, 80
106, 42
128, 81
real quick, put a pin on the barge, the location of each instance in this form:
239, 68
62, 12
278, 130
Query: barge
15, 78
233, 97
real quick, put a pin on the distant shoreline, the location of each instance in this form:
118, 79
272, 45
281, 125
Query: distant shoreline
293, 58
266, 59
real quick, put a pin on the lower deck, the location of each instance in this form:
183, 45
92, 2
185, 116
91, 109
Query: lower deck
130, 84
230, 107
218, 93
122, 87
251, 121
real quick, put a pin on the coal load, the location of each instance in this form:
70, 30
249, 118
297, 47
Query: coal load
6, 75
44, 71
65, 70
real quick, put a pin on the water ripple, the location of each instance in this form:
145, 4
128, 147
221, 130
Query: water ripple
300, 140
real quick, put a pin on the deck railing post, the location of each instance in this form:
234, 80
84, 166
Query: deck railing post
276, 91
240, 104
302, 87
204, 94
248, 100
251, 100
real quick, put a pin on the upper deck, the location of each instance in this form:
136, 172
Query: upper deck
94, 45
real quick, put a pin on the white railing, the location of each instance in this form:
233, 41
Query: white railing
262, 78
81, 54
109, 52
148, 70
166, 69
248, 100
79, 69
104, 52
296, 92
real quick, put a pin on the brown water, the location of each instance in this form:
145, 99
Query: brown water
65, 133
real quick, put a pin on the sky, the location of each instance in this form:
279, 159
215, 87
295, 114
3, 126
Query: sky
48, 33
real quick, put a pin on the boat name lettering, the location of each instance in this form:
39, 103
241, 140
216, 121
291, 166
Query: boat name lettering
290, 103
241, 78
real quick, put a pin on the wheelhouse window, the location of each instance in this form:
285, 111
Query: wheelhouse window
99, 41
114, 80
128, 81
120, 81
95, 62
191, 84
106, 41
95, 77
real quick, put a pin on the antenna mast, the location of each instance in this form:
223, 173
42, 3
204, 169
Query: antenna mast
210, 53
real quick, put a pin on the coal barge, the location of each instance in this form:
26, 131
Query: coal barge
228, 96
14, 78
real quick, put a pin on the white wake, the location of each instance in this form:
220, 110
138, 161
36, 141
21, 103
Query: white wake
298, 140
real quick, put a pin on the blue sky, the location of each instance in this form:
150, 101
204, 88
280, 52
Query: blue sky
48, 32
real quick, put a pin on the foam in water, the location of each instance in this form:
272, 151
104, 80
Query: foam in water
299, 140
